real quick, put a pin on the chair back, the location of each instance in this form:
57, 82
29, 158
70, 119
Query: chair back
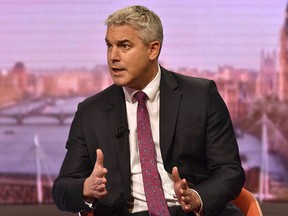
248, 204
86, 213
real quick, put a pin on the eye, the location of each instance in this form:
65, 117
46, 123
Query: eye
108, 43
125, 46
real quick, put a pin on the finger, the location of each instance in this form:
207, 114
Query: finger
100, 188
99, 170
186, 199
175, 175
100, 194
100, 158
184, 184
187, 208
176, 178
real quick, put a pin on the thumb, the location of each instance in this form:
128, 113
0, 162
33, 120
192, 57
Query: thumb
175, 175
100, 158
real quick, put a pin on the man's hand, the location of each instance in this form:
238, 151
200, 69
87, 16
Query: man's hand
189, 200
95, 185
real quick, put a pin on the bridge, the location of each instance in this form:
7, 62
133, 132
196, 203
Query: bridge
20, 117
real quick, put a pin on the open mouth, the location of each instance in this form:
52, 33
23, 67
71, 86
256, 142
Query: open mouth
117, 70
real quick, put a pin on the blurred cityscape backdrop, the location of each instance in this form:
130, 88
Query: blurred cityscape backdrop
53, 55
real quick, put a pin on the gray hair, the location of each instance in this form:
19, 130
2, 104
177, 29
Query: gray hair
139, 18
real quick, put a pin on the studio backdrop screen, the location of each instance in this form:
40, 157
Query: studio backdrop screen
53, 55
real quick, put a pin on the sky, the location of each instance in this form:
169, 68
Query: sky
201, 34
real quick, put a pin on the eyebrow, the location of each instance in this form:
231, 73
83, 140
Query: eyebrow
119, 41
123, 41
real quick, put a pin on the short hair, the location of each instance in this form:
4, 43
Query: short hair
139, 18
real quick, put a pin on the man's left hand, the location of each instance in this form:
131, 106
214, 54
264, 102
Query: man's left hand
189, 199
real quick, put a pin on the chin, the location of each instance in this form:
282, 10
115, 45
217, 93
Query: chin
119, 82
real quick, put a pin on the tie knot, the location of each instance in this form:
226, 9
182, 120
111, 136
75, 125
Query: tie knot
140, 96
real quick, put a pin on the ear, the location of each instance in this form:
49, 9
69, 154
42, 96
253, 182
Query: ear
154, 50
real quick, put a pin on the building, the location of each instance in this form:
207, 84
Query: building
283, 61
19, 75
267, 80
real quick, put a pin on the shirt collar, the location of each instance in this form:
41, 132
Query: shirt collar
150, 90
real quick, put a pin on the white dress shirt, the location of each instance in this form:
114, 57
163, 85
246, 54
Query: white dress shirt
152, 90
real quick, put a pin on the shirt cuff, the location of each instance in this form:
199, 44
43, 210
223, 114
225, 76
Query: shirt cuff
90, 204
199, 213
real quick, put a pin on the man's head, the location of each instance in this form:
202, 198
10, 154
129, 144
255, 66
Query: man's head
134, 38
141, 19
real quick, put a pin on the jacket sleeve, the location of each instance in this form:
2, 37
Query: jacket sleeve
76, 167
226, 176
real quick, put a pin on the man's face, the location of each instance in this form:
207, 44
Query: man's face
131, 63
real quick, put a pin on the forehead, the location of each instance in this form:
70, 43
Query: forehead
124, 32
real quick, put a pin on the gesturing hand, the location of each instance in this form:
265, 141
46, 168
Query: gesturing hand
189, 199
95, 185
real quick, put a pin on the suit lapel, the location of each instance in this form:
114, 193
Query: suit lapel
169, 105
116, 115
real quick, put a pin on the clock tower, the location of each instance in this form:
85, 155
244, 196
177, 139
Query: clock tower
283, 61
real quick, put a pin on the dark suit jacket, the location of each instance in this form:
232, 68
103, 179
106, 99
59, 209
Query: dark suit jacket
196, 135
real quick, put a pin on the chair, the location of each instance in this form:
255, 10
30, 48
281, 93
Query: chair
248, 204
86, 213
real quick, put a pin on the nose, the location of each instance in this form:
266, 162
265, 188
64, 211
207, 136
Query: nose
114, 54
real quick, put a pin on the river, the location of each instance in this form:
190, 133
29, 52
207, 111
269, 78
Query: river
18, 149
17, 142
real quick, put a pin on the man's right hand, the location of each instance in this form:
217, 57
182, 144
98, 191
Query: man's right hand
95, 185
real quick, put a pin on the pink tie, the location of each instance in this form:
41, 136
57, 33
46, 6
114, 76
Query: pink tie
152, 183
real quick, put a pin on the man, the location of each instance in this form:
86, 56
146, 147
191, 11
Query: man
193, 140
